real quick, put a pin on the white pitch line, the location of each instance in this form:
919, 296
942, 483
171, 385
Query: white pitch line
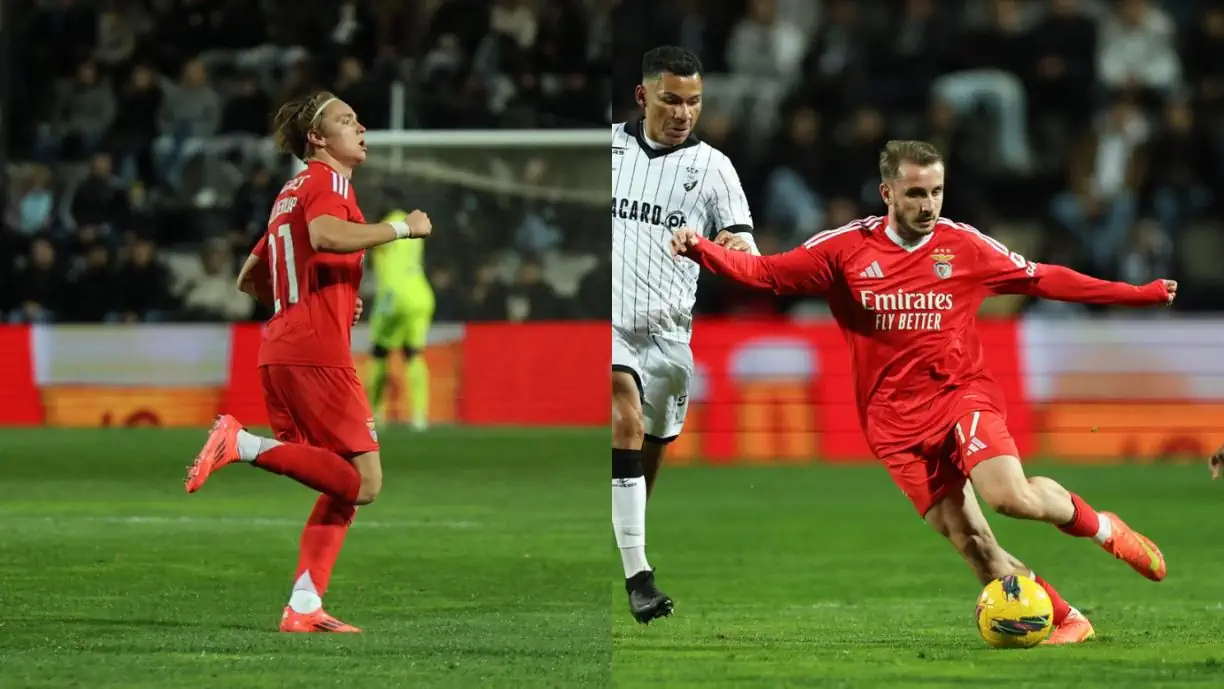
237, 522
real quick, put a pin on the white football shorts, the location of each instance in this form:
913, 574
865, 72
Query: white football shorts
663, 370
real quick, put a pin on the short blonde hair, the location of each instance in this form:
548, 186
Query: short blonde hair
896, 152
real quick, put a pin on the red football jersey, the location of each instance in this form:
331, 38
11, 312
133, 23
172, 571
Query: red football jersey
315, 293
908, 314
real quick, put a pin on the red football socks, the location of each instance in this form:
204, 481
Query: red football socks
1085, 523
322, 539
1061, 608
313, 467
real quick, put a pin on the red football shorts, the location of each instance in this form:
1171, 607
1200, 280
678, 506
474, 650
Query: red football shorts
319, 406
941, 464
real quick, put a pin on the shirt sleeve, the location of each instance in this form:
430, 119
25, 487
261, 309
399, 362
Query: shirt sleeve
261, 248
1007, 272
327, 194
728, 205
809, 269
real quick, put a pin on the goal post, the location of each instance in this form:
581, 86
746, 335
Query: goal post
497, 197
538, 163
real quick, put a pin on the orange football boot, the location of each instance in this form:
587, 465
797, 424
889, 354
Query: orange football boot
1075, 629
317, 621
1134, 549
220, 449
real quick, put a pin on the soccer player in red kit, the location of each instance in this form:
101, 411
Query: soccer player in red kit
905, 290
308, 267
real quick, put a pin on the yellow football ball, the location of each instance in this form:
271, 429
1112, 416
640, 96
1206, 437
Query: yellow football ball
1014, 612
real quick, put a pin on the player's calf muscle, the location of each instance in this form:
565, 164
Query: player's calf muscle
984, 555
962, 523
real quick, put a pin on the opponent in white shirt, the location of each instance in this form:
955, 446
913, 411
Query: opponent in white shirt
663, 179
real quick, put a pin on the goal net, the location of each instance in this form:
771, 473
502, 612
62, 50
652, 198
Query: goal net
497, 198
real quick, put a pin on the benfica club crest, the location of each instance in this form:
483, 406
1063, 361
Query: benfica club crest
943, 263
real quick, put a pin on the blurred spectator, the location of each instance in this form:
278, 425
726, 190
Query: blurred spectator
352, 86
1107, 172
837, 62
1148, 256
117, 35
1138, 50
450, 299
142, 285
487, 298
1181, 152
913, 51
32, 209
214, 294
83, 115
99, 199
791, 203
530, 298
247, 110
93, 290
140, 100
985, 72
190, 111
41, 287
1061, 70
593, 302
765, 46
515, 20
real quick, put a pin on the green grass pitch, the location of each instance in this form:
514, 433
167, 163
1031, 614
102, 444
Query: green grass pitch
489, 561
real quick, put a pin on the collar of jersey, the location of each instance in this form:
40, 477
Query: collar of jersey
639, 133
896, 239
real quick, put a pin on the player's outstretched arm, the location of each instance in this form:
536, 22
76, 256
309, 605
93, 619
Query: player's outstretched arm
799, 271
1059, 283
333, 235
1007, 272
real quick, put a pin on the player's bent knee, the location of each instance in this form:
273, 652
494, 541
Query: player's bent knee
368, 492
369, 468
627, 424
628, 427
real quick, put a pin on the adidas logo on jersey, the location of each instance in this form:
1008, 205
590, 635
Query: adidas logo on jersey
872, 271
974, 446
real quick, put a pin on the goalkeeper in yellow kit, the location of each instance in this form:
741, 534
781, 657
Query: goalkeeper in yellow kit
403, 309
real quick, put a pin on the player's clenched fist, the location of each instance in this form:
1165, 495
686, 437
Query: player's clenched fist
731, 242
1170, 287
683, 239
1216, 463
419, 223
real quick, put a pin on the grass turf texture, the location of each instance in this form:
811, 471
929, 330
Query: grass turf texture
488, 560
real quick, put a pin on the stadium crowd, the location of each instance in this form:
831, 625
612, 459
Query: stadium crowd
1086, 132
140, 171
